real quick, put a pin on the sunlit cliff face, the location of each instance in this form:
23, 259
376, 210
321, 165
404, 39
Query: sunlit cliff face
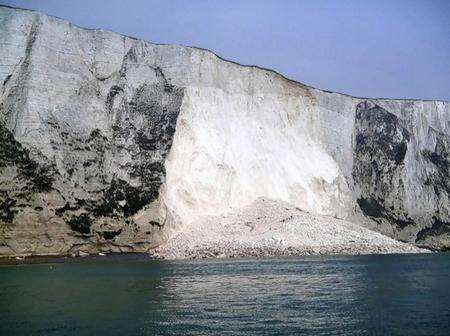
108, 142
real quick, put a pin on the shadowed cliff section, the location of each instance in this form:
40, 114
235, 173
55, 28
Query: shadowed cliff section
379, 154
380, 173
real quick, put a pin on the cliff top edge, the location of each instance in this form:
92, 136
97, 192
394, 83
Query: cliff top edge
229, 61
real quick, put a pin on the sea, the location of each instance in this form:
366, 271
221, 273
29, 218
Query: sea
314, 295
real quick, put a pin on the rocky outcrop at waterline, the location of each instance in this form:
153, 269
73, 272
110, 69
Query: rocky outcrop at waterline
109, 143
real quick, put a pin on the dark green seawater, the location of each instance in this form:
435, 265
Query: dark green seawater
359, 295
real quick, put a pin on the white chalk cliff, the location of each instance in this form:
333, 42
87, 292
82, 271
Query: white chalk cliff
110, 143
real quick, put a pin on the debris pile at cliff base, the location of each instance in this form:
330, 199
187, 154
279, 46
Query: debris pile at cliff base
268, 228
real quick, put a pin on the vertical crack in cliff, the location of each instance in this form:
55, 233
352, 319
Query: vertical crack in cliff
19, 93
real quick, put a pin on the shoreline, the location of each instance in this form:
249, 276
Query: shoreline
139, 256
68, 259
258, 252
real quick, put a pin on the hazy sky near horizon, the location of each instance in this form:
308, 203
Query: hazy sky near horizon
382, 48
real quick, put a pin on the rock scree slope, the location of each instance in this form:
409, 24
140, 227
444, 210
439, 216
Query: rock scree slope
110, 143
268, 228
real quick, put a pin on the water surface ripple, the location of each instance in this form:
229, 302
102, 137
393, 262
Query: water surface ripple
351, 295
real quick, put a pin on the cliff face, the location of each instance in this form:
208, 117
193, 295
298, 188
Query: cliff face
108, 143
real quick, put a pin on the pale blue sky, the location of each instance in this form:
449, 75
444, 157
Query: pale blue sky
382, 48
